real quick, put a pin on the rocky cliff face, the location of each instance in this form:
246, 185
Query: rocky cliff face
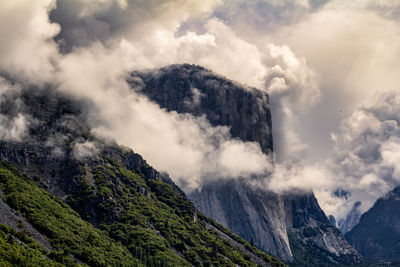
312, 239
274, 222
377, 235
254, 214
351, 220
198, 91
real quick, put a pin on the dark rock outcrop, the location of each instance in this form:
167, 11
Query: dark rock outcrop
332, 221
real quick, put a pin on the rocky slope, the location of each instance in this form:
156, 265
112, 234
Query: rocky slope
314, 242
89, 201
377, 235
272, 221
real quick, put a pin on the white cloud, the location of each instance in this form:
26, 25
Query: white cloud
222, 51
84, 151
13, 123
13, 129
290, 79
293, 87
27, 50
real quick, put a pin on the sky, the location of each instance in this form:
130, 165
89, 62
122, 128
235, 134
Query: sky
329, 66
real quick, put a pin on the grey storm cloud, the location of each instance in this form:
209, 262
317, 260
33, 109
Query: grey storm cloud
85, 21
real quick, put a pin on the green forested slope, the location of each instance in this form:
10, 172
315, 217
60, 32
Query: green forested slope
17, 249
154, 224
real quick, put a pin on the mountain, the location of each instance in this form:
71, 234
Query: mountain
291, 226
377, 235
352, 218
70, 198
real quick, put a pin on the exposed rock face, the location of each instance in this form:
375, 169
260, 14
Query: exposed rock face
312, 238
377, 235
253, 214
272, 221
351, 220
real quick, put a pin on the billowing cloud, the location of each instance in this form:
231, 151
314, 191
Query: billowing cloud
27, 49
13, 129
14, 121
221, 50
294, 87
143, 22
84, 151
366, 149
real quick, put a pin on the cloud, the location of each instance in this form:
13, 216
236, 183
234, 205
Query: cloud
221, 50
293, 87
14, 122
260, 16
27, 50
290, 79
85, 21
383, 7
84, 151
305, 177
13, 129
